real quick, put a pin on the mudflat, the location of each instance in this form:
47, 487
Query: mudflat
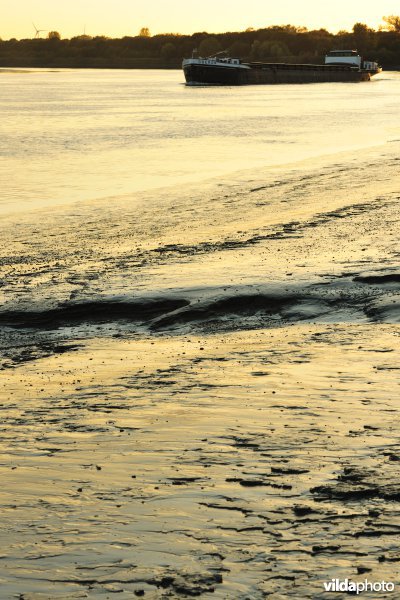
200, 388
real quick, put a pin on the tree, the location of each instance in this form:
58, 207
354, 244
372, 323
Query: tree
283, 43
168, 51
392, 23
82, 38
269, 50
239, 49
363, 37
255, 50
53, 35
209, 46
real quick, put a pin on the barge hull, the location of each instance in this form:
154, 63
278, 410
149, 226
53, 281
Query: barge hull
271, 74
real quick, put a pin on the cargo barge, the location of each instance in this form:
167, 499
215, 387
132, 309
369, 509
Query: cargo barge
340, 65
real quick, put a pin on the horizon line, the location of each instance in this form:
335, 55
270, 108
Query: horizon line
300, 28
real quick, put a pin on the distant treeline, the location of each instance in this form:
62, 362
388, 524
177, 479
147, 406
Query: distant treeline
273, 44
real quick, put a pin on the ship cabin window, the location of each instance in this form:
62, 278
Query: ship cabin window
343, 53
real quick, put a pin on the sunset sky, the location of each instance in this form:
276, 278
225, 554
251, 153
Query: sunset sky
116, 18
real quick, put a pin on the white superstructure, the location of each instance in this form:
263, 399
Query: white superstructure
215, 61
351, 58
343, 57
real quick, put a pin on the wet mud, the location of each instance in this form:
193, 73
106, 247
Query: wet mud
256, 464
201, 400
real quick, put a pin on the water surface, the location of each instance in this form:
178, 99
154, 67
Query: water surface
84, 134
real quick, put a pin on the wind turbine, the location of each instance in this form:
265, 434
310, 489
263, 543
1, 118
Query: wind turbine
38, 31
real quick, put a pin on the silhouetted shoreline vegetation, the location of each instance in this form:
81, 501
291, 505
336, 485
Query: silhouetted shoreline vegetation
273, 44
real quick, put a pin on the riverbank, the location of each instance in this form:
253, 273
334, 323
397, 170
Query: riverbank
286, 43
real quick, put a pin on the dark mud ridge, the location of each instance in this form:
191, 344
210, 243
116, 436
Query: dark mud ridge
371, 297
30, 334
356, 483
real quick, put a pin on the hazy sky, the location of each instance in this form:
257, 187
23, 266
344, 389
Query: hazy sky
117, 18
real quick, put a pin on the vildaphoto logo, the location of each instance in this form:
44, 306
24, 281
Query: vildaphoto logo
358, 587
